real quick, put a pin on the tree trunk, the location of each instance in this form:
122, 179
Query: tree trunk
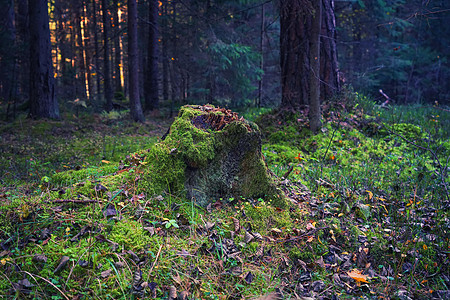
43, 102
23, 57
108, 92
152, 73
314, 76
96, 48
165, 61
261, 61
117, 50
133, 61
86, 50
7, 50
81, 68
328, 54
173, 68
295, 21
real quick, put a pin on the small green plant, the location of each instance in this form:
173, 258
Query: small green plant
172, 223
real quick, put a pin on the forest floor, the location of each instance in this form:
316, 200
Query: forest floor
369, 213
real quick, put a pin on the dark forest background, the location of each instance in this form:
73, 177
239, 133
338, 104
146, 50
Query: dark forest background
224, 52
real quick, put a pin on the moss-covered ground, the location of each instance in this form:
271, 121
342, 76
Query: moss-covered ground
369, 215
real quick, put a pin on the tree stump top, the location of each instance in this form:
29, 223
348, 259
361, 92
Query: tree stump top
219, 153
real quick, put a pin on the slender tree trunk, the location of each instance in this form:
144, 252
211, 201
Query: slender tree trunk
152, 73
43, 102
261, 61
314, 76
133, 63
108, 92
86, 50
23, 57
96, 48
81, 68
117, 50
165, 57
174, 69
7, 50
328, 54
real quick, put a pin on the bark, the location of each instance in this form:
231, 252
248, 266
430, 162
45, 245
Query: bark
295, 21
117, 50
87, 51
174, 68
43, 102
152, 73
295, 37
7, 49
314, 79
133, 63
81, 68
165, 62
96, 48
328, 53
261, 62
108, 92
23, 57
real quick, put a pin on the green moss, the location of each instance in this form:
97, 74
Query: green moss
408, 131
288, 135
41, 128
162, 171
208, 164
195, 144
130, 235
73, 176
264, 216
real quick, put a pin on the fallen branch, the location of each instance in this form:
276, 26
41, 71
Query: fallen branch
291, 168
74, 201
309, 233
58, 289
156, 260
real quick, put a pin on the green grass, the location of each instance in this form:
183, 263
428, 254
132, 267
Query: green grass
376, 201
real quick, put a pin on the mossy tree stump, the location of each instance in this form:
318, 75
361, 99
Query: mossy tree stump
210, 154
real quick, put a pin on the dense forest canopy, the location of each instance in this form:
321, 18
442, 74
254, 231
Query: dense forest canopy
223, 52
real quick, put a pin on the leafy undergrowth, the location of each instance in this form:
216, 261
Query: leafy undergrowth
369, 218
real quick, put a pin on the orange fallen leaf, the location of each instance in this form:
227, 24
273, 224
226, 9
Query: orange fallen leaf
357, 276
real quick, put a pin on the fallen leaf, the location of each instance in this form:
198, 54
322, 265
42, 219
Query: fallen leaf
275, 231
248, 237
237, 226
172, 292
358, 277
150, 229
106, 273
25, 283
40, 258
62, 263
249, 277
